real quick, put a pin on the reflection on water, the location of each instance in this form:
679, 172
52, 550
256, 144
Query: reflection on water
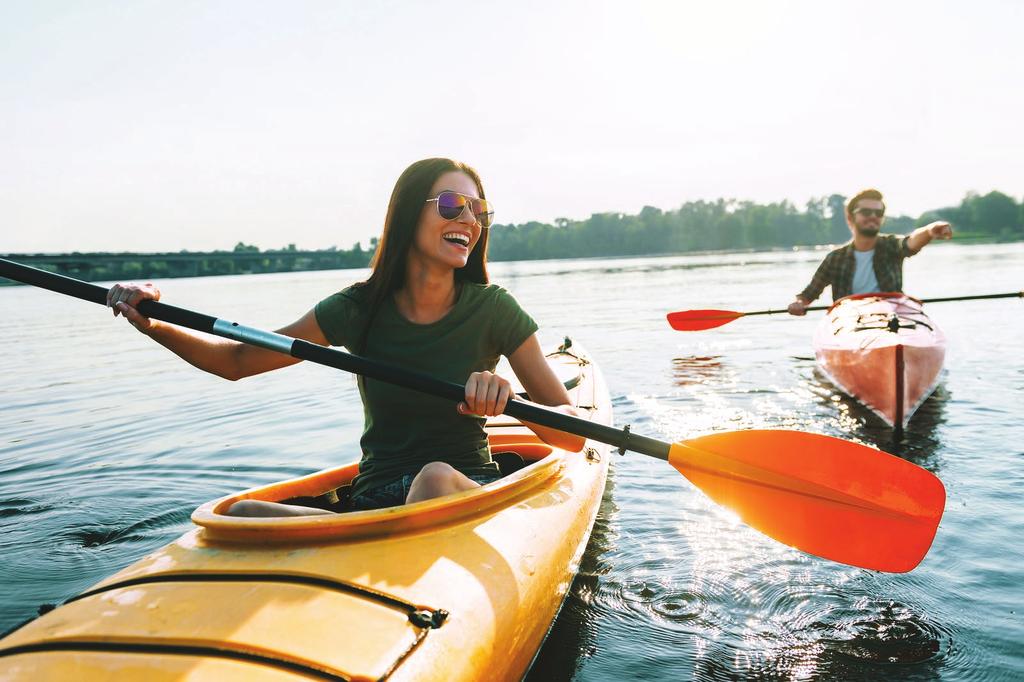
697, 370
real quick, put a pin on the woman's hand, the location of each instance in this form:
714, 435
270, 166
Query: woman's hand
486, 395
123, 298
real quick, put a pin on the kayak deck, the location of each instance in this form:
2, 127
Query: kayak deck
460, 587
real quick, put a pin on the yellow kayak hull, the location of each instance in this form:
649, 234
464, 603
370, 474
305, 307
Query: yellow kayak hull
463, 587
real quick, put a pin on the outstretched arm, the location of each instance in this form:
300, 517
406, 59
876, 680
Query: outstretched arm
228, 359
920, 237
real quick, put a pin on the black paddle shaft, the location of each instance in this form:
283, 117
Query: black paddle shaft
299, 348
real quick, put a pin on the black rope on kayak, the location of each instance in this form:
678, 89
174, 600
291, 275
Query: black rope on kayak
625, 440
159, 649
428, 618
564, 350
889, 321
889, 327
434, 618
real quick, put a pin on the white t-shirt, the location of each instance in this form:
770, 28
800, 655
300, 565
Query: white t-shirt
864, 280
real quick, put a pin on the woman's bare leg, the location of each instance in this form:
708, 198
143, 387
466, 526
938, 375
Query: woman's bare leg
437, 479
269, 509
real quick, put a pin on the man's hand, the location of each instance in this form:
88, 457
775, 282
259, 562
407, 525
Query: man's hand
940, 230
798, 308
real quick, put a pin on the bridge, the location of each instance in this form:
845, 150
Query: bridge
111, 266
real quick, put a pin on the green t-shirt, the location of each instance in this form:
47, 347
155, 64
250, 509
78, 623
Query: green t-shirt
405, 429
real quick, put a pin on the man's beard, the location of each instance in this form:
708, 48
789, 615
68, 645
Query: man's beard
868, 231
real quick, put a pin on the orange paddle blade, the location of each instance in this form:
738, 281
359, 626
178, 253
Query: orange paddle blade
825, 496
698, 320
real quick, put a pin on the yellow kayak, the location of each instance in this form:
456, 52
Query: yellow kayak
463, 587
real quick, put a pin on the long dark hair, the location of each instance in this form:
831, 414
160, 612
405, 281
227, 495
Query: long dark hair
407, 201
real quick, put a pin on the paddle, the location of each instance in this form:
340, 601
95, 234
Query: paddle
699, 320
826, 496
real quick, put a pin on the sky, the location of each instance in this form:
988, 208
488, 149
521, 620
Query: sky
169, 125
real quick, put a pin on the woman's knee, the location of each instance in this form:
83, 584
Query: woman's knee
436, 474
436, 479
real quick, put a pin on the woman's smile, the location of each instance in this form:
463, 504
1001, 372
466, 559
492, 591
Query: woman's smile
458, 239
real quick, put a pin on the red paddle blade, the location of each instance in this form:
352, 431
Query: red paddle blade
825, 496
698, 320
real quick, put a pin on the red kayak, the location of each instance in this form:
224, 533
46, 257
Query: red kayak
883, 350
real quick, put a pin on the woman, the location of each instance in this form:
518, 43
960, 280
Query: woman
427, 305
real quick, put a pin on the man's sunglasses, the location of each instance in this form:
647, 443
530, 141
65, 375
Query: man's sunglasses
871, 212
450, 206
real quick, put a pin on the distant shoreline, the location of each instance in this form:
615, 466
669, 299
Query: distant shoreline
108, 266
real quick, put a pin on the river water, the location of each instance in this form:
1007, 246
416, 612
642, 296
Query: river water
107, 443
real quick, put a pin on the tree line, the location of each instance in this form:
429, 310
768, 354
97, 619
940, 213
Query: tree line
695, 226
730, 224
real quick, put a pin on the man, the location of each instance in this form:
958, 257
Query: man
868, 263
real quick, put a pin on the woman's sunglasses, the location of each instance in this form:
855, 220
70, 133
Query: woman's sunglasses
450, 206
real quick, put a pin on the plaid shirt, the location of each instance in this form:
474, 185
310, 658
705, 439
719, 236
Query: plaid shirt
838, 266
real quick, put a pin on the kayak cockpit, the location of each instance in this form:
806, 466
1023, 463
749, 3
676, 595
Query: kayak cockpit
527, 462
529, 466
